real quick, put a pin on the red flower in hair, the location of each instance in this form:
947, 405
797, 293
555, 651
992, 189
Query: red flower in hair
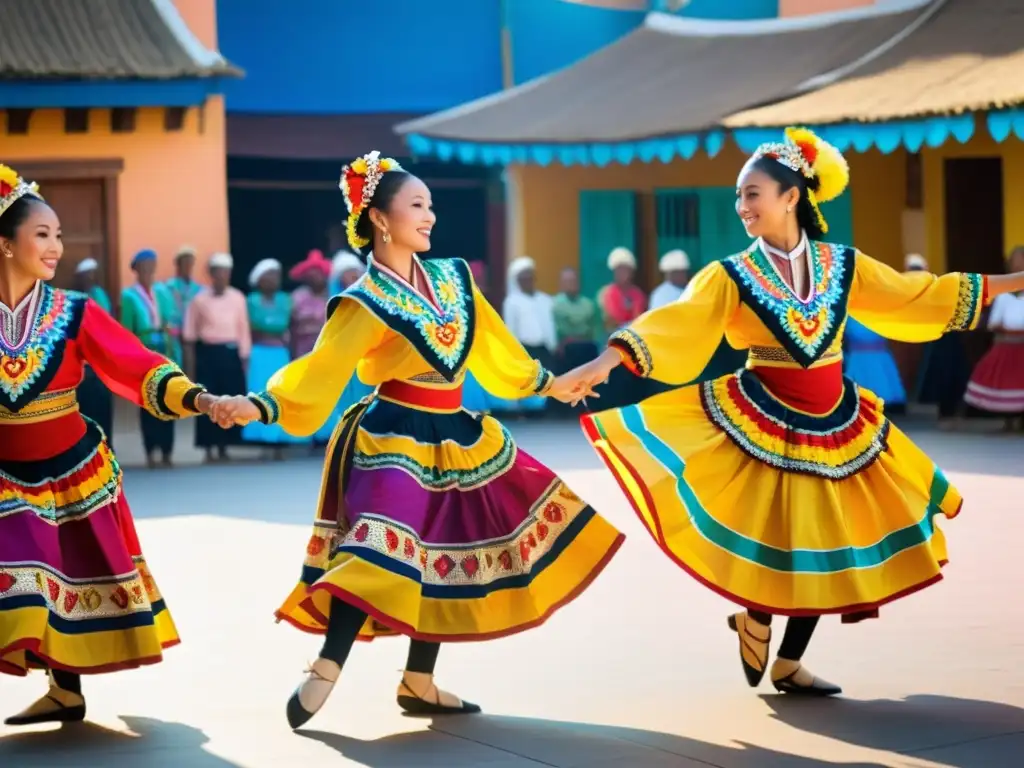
809, 151
355, 184
5, 189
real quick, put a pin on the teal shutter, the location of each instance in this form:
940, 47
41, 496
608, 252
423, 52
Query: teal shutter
607, 221
839, 215
721, 231
678, 221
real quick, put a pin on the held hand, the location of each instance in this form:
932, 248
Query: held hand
568, 389
231, 411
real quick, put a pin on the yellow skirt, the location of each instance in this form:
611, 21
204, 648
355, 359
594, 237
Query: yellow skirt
777, 510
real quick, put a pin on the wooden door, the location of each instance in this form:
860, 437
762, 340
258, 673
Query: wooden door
81, 207
974, 226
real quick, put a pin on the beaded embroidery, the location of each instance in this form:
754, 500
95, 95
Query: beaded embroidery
442, 335
968, 303
27, 369
805, 329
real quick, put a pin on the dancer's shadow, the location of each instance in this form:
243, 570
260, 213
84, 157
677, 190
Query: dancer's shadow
504, 742
963, 733
151, 743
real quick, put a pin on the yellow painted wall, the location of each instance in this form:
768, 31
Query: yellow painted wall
982, 145
547, 224
173, 189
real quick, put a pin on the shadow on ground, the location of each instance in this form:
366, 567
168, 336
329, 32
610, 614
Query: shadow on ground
961, 733
527, 741
151, 743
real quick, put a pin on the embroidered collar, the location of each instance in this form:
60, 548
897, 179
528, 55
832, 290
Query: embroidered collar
26, 369
781, 254
441, 331
16, 323
806, 329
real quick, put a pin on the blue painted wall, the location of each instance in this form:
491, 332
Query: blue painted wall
351, 57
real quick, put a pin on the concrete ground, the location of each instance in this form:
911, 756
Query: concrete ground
639, 672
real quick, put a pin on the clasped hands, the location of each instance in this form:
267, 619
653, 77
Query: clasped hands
228, 411
578, 384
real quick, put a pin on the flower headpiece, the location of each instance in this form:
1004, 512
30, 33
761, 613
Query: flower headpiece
816, 160
359, 181
13, 188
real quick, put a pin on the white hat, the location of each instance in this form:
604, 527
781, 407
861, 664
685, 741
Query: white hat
915, 261
261, 268
343, 261
520, 265
86, 265
221, 260
183, 251
621, 257
674, 261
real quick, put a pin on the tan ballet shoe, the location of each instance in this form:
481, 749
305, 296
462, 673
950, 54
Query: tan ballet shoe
57, 706
793, 677
755, 642
312, 692
418, 695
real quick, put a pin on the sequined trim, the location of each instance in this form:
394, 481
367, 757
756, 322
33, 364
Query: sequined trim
834, 446
28, 368
806, 329
435, 479
92, 483
81, 599
267, 405
477, 563
442, 335
630, 342
968, 303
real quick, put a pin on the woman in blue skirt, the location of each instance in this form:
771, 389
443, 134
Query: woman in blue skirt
869, 362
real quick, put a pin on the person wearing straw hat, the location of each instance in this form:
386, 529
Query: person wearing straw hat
218, 342
94, 399
270, 311
675, 267
783, 486
145, 309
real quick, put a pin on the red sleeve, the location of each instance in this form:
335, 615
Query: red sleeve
132, 371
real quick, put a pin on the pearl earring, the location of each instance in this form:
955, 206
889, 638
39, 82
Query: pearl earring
789, 209
386, 237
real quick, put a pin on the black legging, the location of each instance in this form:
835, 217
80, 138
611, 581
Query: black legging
343, 626
799, 630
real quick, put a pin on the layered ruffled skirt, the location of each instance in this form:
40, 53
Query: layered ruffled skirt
436, 524
75, 591
777, 509
997, 383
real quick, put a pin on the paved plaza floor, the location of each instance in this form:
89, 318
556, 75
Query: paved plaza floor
639, 672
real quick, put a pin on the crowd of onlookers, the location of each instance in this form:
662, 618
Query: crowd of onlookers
233, 342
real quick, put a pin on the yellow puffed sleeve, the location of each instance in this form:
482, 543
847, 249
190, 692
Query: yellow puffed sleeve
675, 342
497, 359
302, 395
914, 306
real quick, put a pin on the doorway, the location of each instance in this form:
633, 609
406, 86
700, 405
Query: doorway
974, 226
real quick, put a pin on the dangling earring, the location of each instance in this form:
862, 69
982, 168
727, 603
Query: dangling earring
386, 237
8, 254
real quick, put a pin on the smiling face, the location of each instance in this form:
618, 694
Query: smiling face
760, 202
409, 218
36, 247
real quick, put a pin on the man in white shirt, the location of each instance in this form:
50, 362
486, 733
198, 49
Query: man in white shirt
527, 312
675, 266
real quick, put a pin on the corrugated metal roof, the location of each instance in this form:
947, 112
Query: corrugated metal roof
95, 39
659, 82
969, 56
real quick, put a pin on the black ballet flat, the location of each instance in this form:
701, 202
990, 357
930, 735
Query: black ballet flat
62, 714
296, 713
817, 689
753, 674
414, 705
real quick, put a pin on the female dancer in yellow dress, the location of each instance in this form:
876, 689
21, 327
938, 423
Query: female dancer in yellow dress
783, 486
431, 522
76, 595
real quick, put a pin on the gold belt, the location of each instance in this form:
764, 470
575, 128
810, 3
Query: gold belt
779, 356
48, 405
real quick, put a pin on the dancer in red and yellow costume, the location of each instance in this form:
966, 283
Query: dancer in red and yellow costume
76, 596
432, 523
783, 486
